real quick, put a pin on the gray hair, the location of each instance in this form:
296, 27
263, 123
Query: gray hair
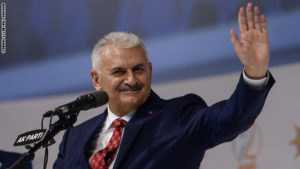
122, 40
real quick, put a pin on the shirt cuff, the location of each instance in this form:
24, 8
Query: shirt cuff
256, 83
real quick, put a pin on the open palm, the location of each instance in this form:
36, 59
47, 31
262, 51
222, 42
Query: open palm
253, 48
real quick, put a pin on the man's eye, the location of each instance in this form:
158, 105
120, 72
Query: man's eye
139, 69
118, 72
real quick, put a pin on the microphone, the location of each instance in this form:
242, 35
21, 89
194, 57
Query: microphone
84, 102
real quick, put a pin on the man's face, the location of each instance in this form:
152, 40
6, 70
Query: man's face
125, 76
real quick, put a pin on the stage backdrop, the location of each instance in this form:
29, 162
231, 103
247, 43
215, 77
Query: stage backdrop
272, 142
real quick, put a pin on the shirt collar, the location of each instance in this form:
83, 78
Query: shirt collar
112, 117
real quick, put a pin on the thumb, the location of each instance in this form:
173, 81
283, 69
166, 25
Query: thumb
234, 39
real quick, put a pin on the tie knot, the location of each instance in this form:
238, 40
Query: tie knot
119, 123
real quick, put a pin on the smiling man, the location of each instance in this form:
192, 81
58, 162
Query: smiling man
124, 72
139, 130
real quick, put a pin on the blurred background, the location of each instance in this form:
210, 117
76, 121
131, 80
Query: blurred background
49, 43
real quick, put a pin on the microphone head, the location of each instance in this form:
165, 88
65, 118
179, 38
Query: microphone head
100, 97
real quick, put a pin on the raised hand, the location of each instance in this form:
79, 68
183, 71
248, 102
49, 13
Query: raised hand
253, 49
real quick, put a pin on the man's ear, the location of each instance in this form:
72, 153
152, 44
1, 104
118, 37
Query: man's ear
95, 78
150, 66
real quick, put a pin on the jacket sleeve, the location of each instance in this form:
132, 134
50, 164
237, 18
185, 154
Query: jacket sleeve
225, 120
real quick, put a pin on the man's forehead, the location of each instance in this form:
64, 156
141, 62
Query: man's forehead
123, 62
128, 66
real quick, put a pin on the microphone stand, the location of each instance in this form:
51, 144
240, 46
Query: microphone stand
65, 121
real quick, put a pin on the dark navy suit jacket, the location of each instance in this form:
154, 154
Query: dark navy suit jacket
9, 158
170, 134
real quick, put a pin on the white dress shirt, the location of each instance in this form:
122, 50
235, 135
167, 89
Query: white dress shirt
107, 129
256, 83
106, 132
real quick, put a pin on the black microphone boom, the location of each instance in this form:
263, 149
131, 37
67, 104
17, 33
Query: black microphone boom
67, 117
84, 102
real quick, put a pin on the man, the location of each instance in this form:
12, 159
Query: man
140, 130
9, 158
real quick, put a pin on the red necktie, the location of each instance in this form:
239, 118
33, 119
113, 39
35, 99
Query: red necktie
103, 158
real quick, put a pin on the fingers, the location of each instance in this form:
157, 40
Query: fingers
264, 27
242, 20
256, 18
252, 19
250, 16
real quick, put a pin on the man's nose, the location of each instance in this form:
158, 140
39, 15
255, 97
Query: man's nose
130, 78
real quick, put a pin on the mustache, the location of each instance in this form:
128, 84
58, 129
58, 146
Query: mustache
128, 87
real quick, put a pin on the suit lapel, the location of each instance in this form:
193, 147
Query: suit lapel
93, 127
134, 125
